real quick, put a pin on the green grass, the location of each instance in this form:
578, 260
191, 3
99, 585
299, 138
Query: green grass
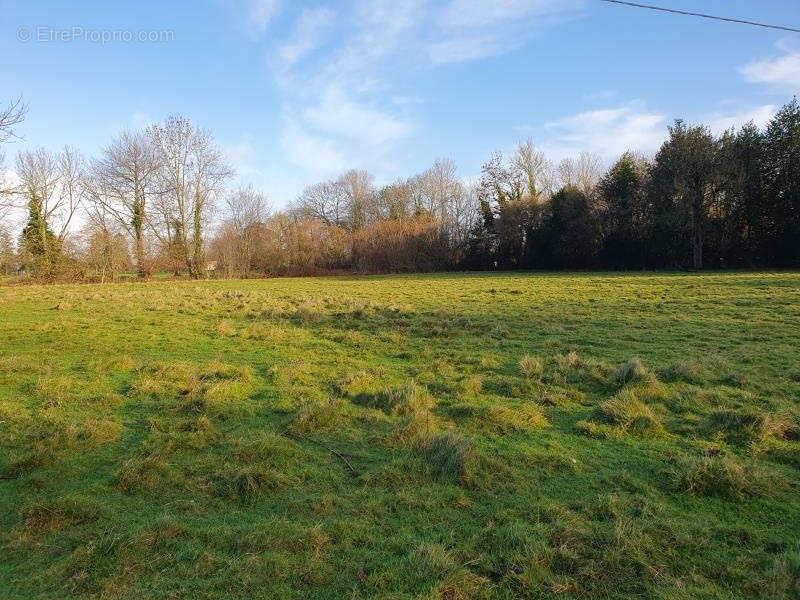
437, 436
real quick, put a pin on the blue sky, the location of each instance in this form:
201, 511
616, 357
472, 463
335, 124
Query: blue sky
299, 91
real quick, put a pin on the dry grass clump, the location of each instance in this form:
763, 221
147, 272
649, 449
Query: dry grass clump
500, 418
226, 328
632, 371
531, 366
783, 426
216, 389
263, 332
699, 371
252, 481
320, 416
14, 467
623, 413
42, 440
358, 385
401, 400
472, 386
561, 396
195, 432
62, 513
449, 456
724, 475
144, 474
750, 426
310, 312
463, 585
738, 426
64, 391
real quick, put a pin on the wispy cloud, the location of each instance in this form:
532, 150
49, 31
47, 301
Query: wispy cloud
608, 132
460, 14
261, 12
759, 115
474, 29
340, 107
338, 114
781, 72
317, 156
306, 35
241, 156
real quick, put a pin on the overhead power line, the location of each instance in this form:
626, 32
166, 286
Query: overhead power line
703, 15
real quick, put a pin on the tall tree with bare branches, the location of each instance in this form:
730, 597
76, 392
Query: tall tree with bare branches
191, 174
52, 188
122, 180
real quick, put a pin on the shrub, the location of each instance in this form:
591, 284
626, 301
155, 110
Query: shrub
530, 366
399, 246
725, 475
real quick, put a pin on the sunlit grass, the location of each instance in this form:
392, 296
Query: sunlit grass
432, 436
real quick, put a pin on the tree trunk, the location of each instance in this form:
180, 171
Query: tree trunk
138, 225
197, 254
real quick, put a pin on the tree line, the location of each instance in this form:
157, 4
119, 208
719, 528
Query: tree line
160, 199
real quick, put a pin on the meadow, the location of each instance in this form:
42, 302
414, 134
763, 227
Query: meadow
444, 436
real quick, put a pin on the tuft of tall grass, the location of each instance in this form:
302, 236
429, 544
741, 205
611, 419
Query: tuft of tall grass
624, 413
531, 366
632, 371
62, 513
449, 456
722, 474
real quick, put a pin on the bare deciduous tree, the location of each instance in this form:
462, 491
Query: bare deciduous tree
325, 201
241, 232
191, 175
359, 198
10, 116
536, 170
584, 172
52, 188
122, 181
106, 250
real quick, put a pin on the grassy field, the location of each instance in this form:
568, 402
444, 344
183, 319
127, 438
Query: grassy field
444, 436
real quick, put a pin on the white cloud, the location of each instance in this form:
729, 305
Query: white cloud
759, 115
475, 29
318, 157
608, 132
461, 49
781, 72
241, 156
343, 108
479, 13
261, 13
306, 35
336, 113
